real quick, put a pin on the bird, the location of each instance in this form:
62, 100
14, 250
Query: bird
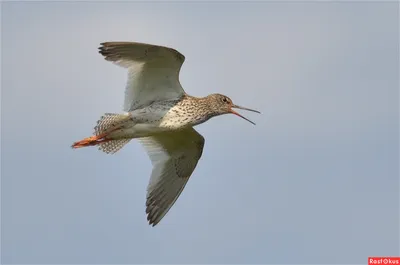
161, 116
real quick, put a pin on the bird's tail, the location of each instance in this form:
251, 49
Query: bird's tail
107, 124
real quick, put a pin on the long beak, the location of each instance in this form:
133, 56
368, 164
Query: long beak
243, 108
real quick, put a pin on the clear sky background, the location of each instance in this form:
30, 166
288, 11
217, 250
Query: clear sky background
316, 181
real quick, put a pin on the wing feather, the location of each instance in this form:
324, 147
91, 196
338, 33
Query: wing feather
153, 71
174, 156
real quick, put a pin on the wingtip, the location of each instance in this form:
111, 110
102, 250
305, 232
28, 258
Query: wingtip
105, 43
102, 45
151, 221
101, 50
104, 50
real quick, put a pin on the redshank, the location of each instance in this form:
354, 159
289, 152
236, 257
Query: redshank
158, 113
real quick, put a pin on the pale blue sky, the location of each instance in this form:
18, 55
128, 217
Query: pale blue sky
316, 181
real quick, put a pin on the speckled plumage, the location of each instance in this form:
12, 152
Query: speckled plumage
161, 116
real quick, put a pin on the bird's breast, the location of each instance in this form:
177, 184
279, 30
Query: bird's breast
179, 117
168, 115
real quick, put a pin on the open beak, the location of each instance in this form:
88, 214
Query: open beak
243, 108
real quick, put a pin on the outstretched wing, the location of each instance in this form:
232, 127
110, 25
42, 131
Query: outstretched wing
174, 156
153, 71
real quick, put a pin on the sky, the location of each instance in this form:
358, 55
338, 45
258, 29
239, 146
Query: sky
315, 181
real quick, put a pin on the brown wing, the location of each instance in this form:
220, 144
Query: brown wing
174, 156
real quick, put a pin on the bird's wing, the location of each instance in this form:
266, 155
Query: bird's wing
153, 71
174, 156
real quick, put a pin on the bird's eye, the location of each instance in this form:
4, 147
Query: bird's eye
225, 100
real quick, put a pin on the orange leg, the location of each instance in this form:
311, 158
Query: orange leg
90, 141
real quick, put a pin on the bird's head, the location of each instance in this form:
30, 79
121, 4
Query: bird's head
221, 104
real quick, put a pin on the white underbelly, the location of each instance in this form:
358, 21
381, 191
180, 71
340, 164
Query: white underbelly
138, 131
149, 121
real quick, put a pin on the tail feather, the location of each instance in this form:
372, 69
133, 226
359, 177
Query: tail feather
113, 146
107, 124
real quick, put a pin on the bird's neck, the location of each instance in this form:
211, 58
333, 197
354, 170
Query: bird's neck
196, 109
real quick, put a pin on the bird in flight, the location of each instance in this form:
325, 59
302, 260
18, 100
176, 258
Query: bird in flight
161, 116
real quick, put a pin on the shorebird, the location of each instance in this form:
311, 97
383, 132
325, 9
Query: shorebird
158, 113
